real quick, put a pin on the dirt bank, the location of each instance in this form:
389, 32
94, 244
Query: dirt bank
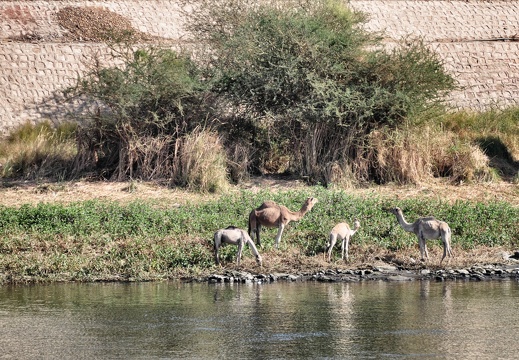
18, 192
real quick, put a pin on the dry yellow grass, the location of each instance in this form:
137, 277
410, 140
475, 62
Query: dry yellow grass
24, 192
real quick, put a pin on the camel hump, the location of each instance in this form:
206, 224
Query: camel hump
445, 227
431, 224
231, 227
270, 214
340, 228
267, 204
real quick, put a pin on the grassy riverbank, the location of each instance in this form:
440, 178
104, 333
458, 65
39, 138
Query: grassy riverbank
169, 235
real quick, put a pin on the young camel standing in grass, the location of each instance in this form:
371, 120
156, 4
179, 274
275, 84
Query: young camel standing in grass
233, 235
343, 232
270, 214
426, 228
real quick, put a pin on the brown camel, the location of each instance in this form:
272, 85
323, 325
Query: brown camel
426, 228
343, 232
270, 214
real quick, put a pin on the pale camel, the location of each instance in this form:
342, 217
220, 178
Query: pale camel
270, 214
427, 228
233, 235
343, 232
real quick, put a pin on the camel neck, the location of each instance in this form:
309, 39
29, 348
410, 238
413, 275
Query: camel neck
401, 219
297, 215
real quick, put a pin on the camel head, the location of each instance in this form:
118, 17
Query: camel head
259, 260
309, 203
396, 211
356, 224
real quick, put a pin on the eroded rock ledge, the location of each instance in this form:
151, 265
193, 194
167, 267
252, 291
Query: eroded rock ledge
381, 273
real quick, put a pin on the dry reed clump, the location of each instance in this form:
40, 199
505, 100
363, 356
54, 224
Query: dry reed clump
201, 163
398, 157
512, 142
340, 175
472, 165
147, 157
196, 160
38, 151
238, 161
457, 159
416, 155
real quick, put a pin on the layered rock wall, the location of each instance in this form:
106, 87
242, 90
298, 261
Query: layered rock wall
475, 39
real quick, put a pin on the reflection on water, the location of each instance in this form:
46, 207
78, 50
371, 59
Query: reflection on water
461, 320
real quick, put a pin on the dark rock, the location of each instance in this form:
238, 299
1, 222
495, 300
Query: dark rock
475, 273
478, 276
398, 278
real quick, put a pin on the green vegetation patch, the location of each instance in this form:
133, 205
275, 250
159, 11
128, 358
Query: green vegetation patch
97, 240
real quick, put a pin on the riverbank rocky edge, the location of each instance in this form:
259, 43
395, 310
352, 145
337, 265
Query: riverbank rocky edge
381, 273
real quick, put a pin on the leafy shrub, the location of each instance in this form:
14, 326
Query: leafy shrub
308, 83
147, 103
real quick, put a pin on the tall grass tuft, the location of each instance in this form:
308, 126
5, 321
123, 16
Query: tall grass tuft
495, 132
414, 155
201, 164
38, 151
309, 82
500, 123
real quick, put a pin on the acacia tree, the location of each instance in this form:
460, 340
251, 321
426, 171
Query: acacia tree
308, 83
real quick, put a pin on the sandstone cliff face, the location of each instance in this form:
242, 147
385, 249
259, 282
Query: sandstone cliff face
39, 55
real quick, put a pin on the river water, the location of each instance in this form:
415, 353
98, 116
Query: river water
173, 320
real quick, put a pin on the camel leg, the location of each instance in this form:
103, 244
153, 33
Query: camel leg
280, 232
240, 249
217, 240
345, 245
258, 229
421, 243
255, 251
253, 225
216, 257
331, 244
448, 242
444, 253
446, 247
252, 234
